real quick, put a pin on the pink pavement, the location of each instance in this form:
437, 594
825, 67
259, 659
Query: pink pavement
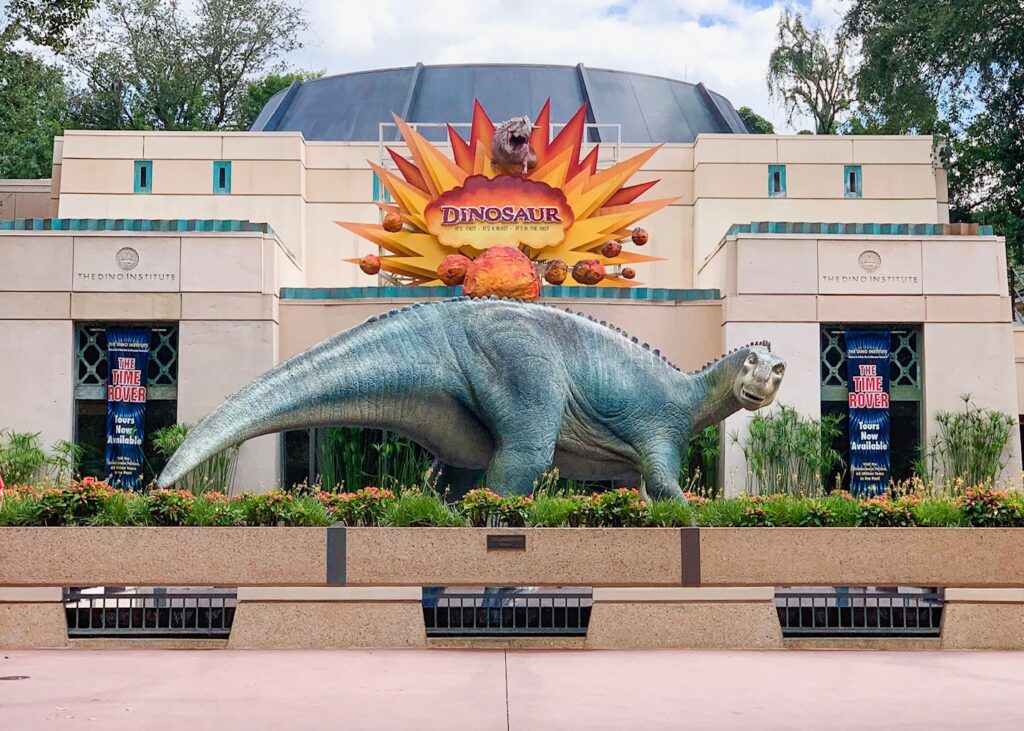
516, 690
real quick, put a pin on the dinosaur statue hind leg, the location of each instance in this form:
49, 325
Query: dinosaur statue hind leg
453, 482
661, 474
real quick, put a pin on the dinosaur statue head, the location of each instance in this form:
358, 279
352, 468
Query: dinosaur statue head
510, 148
758, 375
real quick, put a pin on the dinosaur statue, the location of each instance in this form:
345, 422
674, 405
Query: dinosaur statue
510, 148
498, 387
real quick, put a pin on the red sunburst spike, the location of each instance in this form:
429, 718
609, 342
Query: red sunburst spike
409, 171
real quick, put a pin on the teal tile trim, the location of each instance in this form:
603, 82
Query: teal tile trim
143, 176
781, 170
642, 294
853, 183
860, 229
174, 225
222, 177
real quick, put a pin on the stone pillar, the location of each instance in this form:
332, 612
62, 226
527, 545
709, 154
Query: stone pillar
983, 619
32, 617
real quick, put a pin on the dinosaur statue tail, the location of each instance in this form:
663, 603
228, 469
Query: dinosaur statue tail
293, 392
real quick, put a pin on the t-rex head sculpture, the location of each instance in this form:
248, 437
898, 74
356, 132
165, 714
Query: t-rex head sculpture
510, 148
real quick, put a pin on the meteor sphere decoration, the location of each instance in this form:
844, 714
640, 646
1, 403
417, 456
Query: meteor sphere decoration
393, 223
611, 249
502, 271
452, 269
556, 271
370, 264
588, 271
639, 236
628, 272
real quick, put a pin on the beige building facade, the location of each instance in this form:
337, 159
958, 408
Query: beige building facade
245, 269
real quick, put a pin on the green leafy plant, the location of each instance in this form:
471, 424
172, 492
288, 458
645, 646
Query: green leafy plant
350, 458
20, 506
843, 507
882, 512
121, 507
22, 458
984, 507
271, 508
514, 511
420, 509
76, 504
364, 507
215, 508
724, 513
215, 474
482, 507
620, 508
786, 452
550, 512
669, 514
938, 513
971, 446
170, 507
700, 462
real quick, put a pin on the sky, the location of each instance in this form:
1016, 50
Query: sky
723, 43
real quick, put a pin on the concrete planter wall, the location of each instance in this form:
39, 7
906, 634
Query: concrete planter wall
665, 587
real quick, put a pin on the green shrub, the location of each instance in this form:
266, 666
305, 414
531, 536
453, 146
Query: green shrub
363, 507
843, 508
20, 507
482, 507
723, 513
550, 512
938, 513
420, 509
271, 508
77, 504
215, 509
22, 459
983, 507
881, 512
170, 507
971, 445
786, 452
121, 507
818, 515
514, 510
785, 511
670, 514
620, 508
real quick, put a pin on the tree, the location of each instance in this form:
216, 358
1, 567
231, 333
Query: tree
258, 93
43, 22
808, 73
32, 107
150, 64
756, 124
952, 67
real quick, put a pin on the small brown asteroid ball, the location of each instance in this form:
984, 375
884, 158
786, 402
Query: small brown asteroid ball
502, 271
611, 249
370, 263
393, 223
639, 236
628, 272
452, 269
556, 272
588, 271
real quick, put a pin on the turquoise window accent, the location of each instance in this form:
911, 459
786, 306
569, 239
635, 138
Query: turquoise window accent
143, 176
777, 181
380, 193
853, 186
221, 176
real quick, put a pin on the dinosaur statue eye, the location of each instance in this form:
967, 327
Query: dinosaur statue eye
751, 359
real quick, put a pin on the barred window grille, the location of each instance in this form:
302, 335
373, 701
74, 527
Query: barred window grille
91, 362
904, 363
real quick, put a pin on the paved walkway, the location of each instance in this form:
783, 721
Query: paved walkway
521, 690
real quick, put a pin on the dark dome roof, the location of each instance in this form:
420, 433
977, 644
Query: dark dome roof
346, 107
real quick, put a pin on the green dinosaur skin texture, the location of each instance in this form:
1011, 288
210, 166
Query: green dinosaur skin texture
498, 387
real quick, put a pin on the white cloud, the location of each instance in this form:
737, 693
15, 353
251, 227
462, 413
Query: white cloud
724, 43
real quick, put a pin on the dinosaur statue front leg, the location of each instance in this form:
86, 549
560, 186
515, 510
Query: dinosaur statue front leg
453, 482
661, 473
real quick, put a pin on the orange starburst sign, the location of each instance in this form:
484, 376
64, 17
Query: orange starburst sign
562, 208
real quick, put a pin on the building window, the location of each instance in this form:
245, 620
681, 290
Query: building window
380, 193
777, 181
143, 176
221, 176
905, 388
91, 393
852, 184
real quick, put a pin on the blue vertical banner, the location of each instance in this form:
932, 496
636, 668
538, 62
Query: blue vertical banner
867, 363
127, 370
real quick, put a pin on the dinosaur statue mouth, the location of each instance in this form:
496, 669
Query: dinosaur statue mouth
752, 397
516, 142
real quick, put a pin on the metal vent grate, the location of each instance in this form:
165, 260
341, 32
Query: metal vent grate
862, 611
150, 612
506, 612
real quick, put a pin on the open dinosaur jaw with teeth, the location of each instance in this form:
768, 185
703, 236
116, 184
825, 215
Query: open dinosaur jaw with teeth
517, 142
752, 397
